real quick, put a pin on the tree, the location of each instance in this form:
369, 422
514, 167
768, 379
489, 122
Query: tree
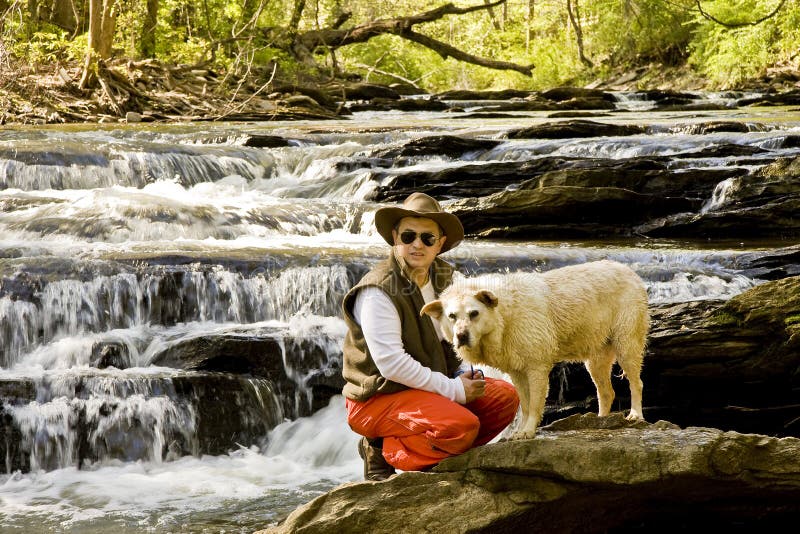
147, 41
102, 22
574, 18
303, 45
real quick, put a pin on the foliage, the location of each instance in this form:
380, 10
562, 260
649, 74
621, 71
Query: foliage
654, 31
730, 55
236, 35
42, 43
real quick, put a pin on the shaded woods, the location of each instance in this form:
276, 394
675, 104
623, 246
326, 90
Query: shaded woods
90, 60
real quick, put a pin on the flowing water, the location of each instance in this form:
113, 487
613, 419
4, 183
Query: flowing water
146, 236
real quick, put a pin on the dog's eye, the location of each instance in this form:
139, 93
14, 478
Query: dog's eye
473, 314
452, 316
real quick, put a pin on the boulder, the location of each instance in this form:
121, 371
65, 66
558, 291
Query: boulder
585, 474
305, 373
445, 145
575, 129
561, 196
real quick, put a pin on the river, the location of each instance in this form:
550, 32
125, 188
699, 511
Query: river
93, 218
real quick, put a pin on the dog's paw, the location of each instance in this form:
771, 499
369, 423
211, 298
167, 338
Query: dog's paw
523, 434
634, 416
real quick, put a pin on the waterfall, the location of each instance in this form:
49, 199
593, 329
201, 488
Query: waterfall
721, 195
170, 322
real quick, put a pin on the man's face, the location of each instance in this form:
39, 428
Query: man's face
417, 254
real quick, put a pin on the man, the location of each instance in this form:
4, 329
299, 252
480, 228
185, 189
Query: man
405, 392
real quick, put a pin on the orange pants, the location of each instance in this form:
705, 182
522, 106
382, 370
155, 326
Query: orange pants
419, 428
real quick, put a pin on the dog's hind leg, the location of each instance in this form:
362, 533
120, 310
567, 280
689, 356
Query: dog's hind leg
599, 367
629, 340
631, 365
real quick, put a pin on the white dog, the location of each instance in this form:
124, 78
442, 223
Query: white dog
524, 323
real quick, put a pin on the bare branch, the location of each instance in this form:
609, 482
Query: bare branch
307, 42
738, 24
445, 50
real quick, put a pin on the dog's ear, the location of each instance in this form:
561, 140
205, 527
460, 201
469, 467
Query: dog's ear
433, 308
488, 298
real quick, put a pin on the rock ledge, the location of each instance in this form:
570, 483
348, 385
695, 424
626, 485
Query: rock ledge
580, 474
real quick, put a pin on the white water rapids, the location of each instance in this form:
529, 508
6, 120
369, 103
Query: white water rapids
261, 237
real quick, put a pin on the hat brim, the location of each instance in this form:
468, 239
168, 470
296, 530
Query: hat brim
387, 218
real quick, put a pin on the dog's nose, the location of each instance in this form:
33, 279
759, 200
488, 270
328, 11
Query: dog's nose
462, 338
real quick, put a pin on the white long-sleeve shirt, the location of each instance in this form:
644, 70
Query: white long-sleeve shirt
380, 323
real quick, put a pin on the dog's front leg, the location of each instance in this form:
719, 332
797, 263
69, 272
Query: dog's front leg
532, 389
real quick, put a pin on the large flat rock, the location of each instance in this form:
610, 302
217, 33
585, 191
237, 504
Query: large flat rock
581, 474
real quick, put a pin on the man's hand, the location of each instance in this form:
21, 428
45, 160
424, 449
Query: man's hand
473, 385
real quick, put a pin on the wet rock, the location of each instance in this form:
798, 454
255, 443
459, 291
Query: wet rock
366, 91
554, 197
561, 94
11, 449
207, 413
486, 115
587, 103
584, 475
505, 94
406, 89
439, 145
405, 104
575, 129
577, 114
529, 104
791, 141
21, 286
110, 354
772, 264
758, 204
666, 97
308, 382
717, 126
785, 98
693, 106
265, 141
727, 150
564, 211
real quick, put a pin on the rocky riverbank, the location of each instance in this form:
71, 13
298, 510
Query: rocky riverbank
583, 474
149, 91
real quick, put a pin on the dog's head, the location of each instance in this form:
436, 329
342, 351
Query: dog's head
464, 315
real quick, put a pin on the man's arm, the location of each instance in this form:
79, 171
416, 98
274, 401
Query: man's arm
380, 324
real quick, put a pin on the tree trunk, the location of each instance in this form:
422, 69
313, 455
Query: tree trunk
528, 22
102, 22
495, 22
147, 41
3, 15
574, 18
297, 14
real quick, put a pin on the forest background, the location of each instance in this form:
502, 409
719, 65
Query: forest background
84, 45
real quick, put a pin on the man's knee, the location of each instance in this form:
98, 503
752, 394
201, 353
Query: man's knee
461, 427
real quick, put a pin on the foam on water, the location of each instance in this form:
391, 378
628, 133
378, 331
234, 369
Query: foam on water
246, 489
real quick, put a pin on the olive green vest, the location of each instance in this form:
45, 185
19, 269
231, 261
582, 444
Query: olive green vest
363, 380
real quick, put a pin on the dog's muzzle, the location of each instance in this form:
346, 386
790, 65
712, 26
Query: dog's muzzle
462, 339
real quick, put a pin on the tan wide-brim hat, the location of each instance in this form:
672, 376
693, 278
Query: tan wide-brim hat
420, 205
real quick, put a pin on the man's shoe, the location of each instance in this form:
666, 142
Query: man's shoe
375, 465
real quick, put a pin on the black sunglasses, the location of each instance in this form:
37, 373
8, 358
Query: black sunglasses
427, 238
